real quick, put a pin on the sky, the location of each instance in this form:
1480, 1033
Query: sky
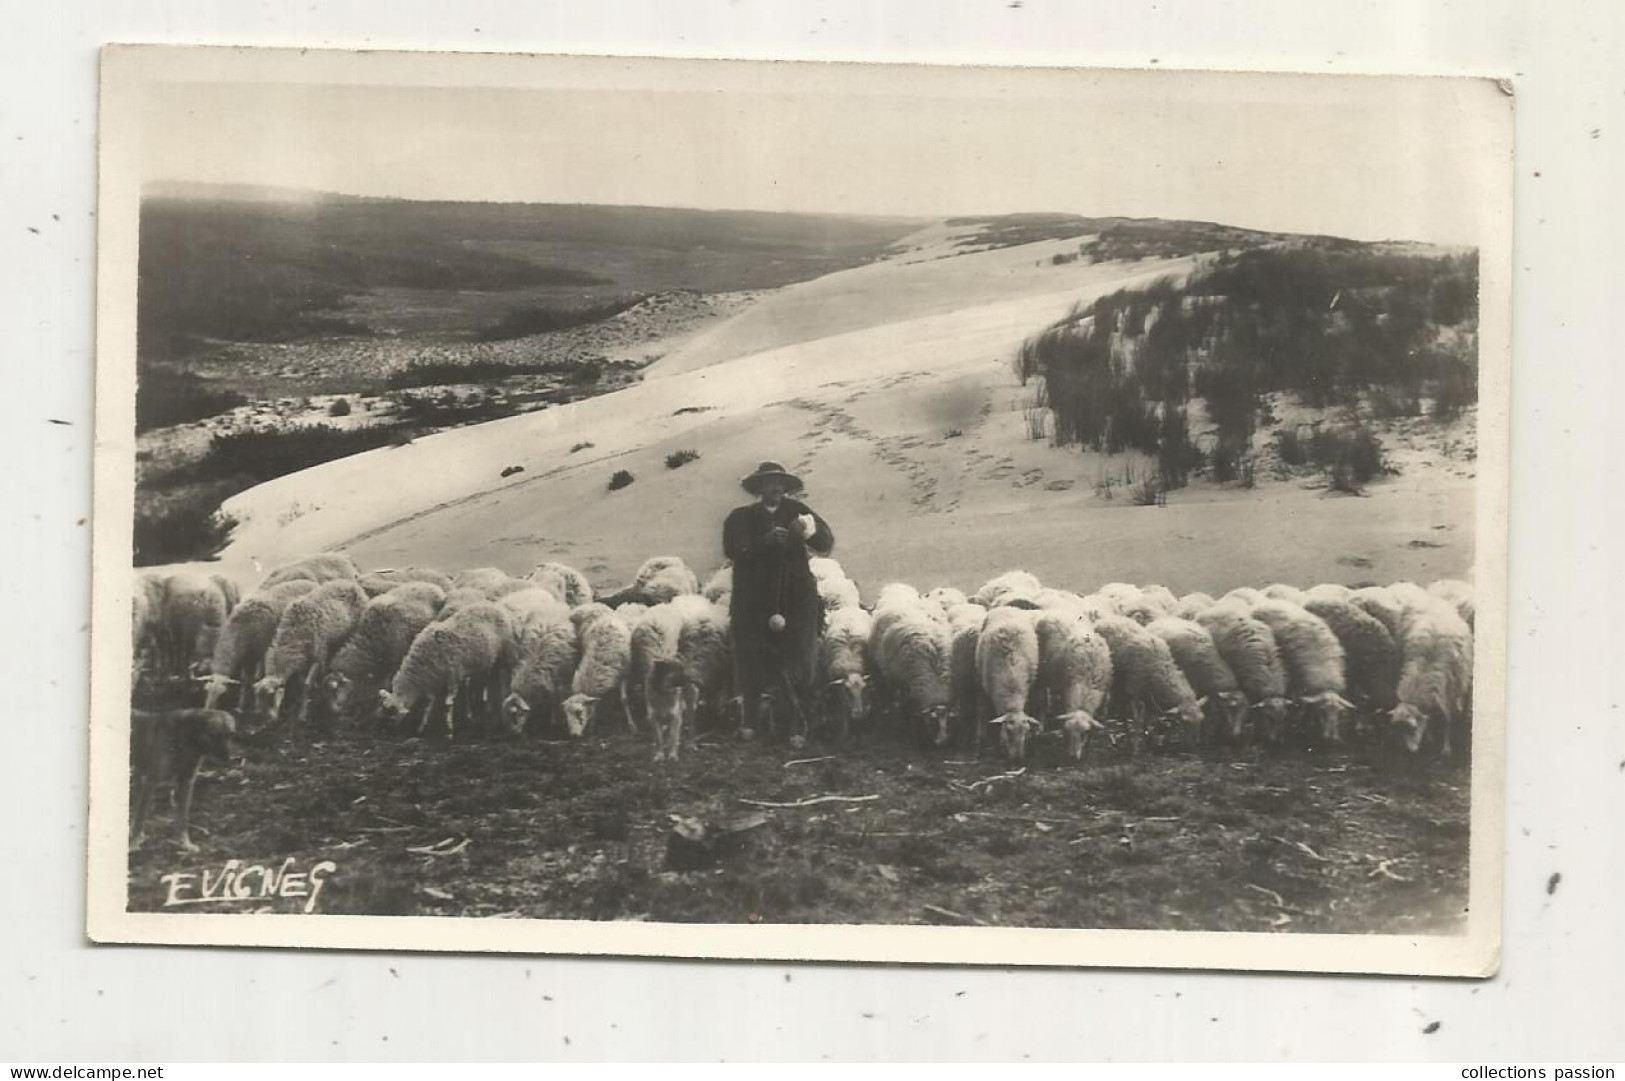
1377, 158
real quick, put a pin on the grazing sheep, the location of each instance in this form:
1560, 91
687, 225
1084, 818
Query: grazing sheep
326, 567
1141, 610
1458, 593
1145, 678
1007, 669
1379, 604
912, 651
1329, 591
312, 628
606, 654
655, 639
1058, 600
576, 589
837, 593
383, 636
480, 578
1193, 604
719, 587
945, 597
239, 653
843, 669
228, 589
824, 567
896, 595
1198, 657
705, 651
1010, 582
1314, 662
1370, 654
460, 597
657, 581
666, 693
1248, 648
470, 656
523, 603
1247, 595
194, 612
1094, 606
1162, 597
680, 652
1075, 674
381, 581
149, 642
1435, 681
1120, 594
547, 650
965, 685
1278, 591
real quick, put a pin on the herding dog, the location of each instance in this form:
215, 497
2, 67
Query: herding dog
168, 748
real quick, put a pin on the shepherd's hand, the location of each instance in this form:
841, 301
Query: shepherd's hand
778, 535
806, 526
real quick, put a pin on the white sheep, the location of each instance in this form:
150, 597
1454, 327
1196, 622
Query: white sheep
606, 653
680, 653
1248, 648
824, 567
1145, 678
896, 595
1160, 597
1436, 674
1121, 595
194, 613
469, 657
381, 581
325, 567
149, 642
655, 641
1370, 654
1279, 591
311, 630
1019, 583
657, 581
1329, 591
1245, 595
1458, 593
720, 586
1074, 673
480, 578
383, 635
913, 647
705, 651
239, 653
574, 588
945, 597
522, 603
1316, 676
1006, 670
837, 593
1193, 604
1204, 667
1378, 603
843, 670
1141, 610
547, 650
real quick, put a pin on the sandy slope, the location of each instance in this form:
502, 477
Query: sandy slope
888, 387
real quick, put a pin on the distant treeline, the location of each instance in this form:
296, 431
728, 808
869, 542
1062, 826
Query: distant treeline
1331, 324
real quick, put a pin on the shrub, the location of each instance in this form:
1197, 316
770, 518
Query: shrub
1149, 493
541, 319
679, 458
181, 529
340, 408
619, 480
1249, 472
437, 373
165, 396
579, 446
262, 454
1225, 462
1291, 447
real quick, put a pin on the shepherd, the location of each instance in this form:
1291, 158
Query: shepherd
775, 611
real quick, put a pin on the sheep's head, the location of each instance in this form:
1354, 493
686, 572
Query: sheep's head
515, 713
1328, 708
219, 737
1272, 714
338, 687
934, 725
1189, 716
579, 710
1014, 729
392, 705
1411, 724
214, 689
268, 694
1077, 725
1231, 710
849, 692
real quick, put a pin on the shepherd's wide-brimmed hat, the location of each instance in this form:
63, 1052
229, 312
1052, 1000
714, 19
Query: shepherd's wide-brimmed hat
753, 482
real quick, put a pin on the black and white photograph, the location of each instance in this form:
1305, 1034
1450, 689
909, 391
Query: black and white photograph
847, 511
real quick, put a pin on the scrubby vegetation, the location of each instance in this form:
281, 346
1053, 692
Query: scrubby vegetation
1333, 324
531, 319
165, 396
678, 459
620, 479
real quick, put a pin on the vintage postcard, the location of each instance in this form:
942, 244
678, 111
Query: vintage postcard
702, 508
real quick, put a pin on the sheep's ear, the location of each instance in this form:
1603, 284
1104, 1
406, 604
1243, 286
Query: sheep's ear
1202, 701
1341, 701
996, 720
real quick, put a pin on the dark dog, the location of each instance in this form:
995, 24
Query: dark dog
168, 748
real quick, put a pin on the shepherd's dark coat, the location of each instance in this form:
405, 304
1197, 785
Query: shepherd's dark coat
773, 579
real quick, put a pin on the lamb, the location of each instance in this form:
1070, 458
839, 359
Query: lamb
326, 567
194, 613
1006, 669
912, 652
1370, 654
843, 670
383, 636
547, 650
1075, 673
705, 651
838, 593
606, 653
1458, 593
1198, 657
378, 582
1314, 661
1145, 677
239, 653
470, 654
1193, 604
312, 628
1010, 582
1249, 648
1435, 681
679, 653
576, 590
720, 586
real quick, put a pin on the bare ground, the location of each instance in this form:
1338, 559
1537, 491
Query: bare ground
1254, 841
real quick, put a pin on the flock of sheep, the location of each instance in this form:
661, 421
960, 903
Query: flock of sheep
1017, 656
